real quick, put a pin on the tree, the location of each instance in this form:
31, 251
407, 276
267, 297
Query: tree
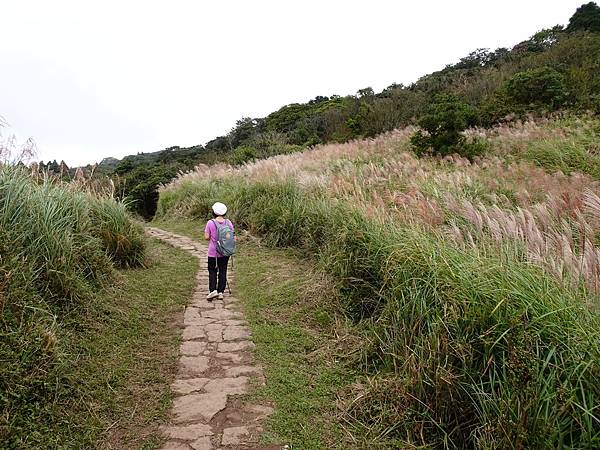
477, 58
365, 92
244, 129
586, 18
540, 87
53, 167
443, 124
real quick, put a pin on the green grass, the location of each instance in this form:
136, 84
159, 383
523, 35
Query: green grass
116, 354
576, 151
463, 347
291, 309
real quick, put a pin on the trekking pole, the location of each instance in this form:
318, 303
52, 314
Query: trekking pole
229, 288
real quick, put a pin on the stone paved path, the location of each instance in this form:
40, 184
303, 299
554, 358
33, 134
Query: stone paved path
215, 367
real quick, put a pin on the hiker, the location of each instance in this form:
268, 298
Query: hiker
221, 245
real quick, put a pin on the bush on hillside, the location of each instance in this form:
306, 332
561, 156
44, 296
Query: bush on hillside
538, 88
243, 154
442, 129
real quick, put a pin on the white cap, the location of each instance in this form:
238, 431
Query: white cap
219, 209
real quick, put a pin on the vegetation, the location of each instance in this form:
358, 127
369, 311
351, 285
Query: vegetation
58, 246
114, 362
475, 283
442, 129
292, 312
586, 18
539, 87
555, 69
464, 254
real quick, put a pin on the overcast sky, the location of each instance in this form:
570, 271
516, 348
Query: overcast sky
90, 79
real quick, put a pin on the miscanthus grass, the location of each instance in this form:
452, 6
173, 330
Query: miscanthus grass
477, 280
58, 246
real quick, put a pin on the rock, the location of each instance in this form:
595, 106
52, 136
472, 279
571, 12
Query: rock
192, 332
192, 348
234, 357
239, 370
189, 385
236, 333
235, 346
192, 317
193, 365
192, 407
234, 323
229, 386
187, 432
172, 445
214, 332
221, 314
260, 410
202, 444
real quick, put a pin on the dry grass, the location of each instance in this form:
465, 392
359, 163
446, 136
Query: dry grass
504, 197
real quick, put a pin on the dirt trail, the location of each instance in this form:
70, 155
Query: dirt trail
216, 366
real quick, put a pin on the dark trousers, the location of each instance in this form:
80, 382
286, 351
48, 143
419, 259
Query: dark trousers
217, 266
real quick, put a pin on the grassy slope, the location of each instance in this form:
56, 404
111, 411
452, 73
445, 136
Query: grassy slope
290, 308
120, 358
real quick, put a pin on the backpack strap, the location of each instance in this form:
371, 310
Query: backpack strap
216, 227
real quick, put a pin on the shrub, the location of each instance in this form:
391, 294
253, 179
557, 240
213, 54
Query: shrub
49, 227
443, 125
542, 87
243, 154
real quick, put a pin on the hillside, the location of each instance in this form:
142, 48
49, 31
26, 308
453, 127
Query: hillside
474, 283
556, 69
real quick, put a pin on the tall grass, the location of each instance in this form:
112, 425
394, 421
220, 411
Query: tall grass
467, 347
507, 196
121, 237
57, 246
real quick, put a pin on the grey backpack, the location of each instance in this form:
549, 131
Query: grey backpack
225, 238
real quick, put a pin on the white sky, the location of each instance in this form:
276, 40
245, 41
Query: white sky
89, 79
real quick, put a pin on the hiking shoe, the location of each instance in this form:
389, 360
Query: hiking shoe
220, 296
212, 295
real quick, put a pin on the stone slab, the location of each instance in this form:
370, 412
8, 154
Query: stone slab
174, 445
229, 386
194, 407
235, 333
193, 365
187, 432
240, 370
192, 348
233, 357
192, 332
202, 443
189, 385
229, 347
